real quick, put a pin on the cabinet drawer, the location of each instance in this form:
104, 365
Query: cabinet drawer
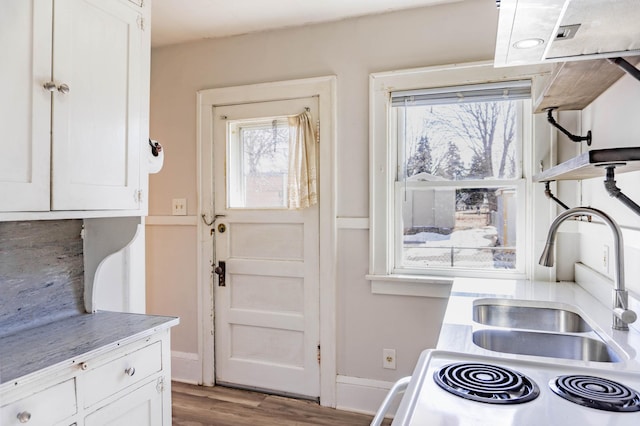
121, 373
46, 407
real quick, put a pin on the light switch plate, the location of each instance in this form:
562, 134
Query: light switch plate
179, 207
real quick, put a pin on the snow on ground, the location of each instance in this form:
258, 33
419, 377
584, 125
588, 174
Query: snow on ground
426, 237
477, 237
469, 248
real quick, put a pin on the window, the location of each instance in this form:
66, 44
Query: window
258, 163
459, 176
449, 166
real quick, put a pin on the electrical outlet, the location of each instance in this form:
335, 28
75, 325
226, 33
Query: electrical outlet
389, 359
605, 258
179, 207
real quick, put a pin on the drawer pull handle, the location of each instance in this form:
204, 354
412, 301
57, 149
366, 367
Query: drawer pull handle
24, 416
130, 371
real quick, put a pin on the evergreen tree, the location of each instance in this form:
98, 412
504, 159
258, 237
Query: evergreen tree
421, 160
452, 165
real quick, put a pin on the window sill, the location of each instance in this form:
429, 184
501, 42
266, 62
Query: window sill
411, 285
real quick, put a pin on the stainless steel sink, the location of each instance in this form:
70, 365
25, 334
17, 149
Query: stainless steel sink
499, 313
567, 346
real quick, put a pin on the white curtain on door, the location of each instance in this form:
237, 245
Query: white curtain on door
302, 162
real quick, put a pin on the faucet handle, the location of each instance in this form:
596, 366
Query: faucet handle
627, 316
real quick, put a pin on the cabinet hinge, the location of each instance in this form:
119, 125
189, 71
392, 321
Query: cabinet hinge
318, 353
141, 23
160, 384
137, 195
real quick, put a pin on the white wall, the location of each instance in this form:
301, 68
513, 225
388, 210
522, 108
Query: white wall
351, 50
613, 120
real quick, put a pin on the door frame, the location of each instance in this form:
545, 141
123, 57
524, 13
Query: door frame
325, 89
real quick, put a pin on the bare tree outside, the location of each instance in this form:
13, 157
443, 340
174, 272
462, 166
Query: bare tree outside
482, 132
260, 146
264, 151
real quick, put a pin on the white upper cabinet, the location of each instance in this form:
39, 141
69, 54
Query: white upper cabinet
25, 107
77, 111
96, 125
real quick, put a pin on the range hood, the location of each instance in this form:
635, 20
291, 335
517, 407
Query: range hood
537, 31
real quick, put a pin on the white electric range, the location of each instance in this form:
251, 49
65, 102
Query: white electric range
449, 388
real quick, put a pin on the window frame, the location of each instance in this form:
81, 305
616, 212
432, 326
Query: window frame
518, 183
383, 165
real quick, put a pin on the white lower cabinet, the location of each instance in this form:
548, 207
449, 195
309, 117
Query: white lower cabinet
142, 407
47, 407
122, 372
128, 385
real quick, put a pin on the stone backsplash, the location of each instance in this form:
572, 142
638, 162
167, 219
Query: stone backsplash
41, 273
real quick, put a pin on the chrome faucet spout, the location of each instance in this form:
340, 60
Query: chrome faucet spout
621, 314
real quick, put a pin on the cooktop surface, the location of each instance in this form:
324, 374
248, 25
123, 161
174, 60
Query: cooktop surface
449, 388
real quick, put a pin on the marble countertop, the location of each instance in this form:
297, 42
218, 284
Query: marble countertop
71, 340
458, 324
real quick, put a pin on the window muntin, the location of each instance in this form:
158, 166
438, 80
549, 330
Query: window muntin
258, 161
459, 189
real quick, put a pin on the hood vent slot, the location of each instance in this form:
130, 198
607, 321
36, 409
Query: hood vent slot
567, 32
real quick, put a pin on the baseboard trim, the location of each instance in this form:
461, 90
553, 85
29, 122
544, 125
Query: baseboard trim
362, 395
186, 367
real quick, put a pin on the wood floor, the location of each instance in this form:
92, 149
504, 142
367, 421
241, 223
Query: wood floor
220, 406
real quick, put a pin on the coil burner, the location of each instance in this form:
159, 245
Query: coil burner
596, 392
486, 383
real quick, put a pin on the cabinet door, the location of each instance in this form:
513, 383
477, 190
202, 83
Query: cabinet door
96, 125
142, 407
25, 49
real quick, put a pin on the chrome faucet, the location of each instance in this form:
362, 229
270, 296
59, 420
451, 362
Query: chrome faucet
622, 315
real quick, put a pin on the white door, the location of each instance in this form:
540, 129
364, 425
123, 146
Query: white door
96, 128
25, 106
267, 313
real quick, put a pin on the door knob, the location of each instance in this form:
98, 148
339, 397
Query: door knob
221, 270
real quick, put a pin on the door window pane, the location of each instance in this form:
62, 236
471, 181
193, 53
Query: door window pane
257, 167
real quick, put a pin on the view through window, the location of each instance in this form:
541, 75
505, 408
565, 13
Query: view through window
257, 168
459, 177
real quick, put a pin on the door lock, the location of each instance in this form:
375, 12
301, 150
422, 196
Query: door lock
221, 270
222, 228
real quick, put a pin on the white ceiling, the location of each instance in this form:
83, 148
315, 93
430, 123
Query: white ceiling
177, 21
